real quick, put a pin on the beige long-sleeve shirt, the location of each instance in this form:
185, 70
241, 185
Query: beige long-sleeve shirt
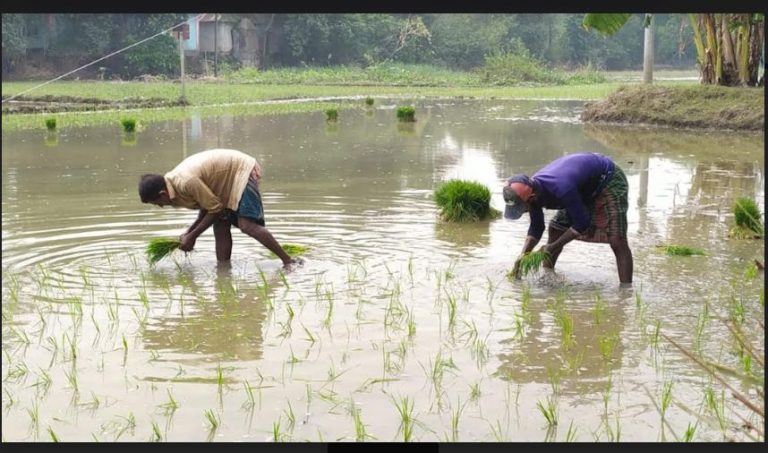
211, 180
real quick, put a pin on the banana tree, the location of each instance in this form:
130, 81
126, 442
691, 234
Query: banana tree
729, 47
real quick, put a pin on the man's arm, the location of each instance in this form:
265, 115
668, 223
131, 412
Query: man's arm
188, 239
200, 214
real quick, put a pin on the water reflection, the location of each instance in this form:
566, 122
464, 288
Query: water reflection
224, 325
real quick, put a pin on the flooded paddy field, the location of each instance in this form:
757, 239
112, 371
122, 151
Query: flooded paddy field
398, 327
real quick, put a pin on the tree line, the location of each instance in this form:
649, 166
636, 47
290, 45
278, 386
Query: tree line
455, 41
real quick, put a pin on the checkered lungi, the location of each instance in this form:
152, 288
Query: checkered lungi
607, 212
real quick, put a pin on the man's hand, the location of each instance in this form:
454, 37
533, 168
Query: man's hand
187, 242
292, 264
516, 269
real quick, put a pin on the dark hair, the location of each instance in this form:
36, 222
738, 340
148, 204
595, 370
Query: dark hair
150, 186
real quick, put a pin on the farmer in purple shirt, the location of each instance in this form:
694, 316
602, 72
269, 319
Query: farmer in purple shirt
590, 192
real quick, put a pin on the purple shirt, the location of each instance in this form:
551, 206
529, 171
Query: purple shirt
570, 182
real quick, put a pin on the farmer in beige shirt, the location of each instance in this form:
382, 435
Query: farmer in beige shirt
223, 185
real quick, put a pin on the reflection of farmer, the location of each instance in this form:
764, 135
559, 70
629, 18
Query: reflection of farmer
223, 184
590, 192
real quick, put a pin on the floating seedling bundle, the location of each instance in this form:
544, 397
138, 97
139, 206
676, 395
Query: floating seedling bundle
681, 250
159, 248
464, 201
293, 249
747, 217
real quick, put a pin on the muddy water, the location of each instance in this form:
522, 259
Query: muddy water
393, 310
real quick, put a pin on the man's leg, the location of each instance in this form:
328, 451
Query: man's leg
223, 235
552, 235
624, 262
261, 234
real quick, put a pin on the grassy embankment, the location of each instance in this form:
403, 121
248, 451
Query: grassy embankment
250, 92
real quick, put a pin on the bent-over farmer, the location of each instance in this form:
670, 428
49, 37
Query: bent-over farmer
223, 185
590, 193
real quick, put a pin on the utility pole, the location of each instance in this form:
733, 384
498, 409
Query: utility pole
181, 59
215, 44
648, 51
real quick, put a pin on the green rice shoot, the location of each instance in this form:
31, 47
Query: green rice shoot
681, 250
293, 249
747, 216
464, 201
159, 248
531, 262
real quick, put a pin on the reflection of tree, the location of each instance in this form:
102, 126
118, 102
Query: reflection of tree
701, 144
595, 351
227, 323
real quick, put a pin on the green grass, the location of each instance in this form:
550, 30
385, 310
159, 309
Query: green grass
696, 106
464, 201
681, 250
159, 248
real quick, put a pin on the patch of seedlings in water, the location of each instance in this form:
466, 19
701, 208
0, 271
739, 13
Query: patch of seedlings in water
332, 115
129, 124
369, 101
681, 250
406, 114
549, 410
159, 248
747, 218
50, 124
464, 201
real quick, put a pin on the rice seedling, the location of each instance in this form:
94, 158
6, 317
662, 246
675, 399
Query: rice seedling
716, 406
290, 416
50, 123
34, 415
159, 248
54, 437
455, 417
497, 433
474, 391
277, 436
369, 101
570, 435
529, 263
681, 250
157, 435
361, 433
213, 421
129, 124
331, 115
464, 201
549, 411
690, 432
405, 409
293, 250
666, 398
607, 345
406, 114
747, 220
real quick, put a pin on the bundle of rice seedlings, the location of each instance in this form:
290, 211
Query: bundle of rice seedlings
159, 248
293, 249
464, 201
681, 250
530, 262
747, 216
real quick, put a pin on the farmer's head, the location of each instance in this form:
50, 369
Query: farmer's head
152, 189
518, 194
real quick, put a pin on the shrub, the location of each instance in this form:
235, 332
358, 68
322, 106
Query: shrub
464, 201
